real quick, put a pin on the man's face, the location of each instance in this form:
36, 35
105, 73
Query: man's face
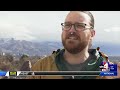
75, 41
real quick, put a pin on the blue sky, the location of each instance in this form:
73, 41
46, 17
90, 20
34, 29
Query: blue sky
45, 25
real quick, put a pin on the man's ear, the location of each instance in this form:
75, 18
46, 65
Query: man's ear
92, 33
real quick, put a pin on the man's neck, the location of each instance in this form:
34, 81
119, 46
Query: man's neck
76, 58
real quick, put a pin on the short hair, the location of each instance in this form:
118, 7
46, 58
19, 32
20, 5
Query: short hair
98, 48
91, 16
106, 57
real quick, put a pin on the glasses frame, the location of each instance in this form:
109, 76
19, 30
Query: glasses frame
85, 25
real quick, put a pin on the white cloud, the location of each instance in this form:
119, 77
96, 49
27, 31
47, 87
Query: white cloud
109, 34
45, 25
16, 31
116, 29
113, 29
107, 30
31, 25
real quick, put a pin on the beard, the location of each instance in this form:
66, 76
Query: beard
73, 43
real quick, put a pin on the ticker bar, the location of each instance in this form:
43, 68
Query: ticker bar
61, 73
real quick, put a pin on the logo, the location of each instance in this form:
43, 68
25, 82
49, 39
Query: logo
92, 63
104, 66
108, 69
12, 73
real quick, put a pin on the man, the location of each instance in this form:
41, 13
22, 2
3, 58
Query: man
77, 35
103, 54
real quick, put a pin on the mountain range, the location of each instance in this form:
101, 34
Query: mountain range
17, 47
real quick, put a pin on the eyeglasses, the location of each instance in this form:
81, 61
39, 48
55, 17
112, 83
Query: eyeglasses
77, 26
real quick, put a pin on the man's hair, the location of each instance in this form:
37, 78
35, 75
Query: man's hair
98, 48
91, 16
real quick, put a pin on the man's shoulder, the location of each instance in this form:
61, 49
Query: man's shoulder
43, 62
98, 53
47, 59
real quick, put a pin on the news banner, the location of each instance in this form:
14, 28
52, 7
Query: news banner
106, 69
60, 73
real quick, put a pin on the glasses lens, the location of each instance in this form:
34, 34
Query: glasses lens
66, 26
80, 26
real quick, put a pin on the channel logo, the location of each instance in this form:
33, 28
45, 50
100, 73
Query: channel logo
108, 69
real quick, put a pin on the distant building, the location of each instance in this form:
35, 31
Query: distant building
2, 53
